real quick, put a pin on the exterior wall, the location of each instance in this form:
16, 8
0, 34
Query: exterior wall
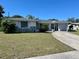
31, 23
49, 27
62, 26
18, 24
75, 26
31, 26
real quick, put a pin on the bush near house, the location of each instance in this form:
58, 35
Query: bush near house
70, 28
43, 27
42, 30
8, 27
1, 29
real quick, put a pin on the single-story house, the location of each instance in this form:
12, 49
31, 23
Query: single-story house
24, 24
75, 26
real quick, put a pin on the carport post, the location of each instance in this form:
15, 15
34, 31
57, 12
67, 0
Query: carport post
49, 26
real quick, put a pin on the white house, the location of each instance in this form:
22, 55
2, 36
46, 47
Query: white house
75, 26
24, 24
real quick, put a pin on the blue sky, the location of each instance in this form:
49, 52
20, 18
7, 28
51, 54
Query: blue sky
44, 9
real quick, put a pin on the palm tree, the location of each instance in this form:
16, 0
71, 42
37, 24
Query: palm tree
30, 17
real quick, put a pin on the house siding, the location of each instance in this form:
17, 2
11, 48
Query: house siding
18, 24
62, 26
31, 23
30, 26
35, 24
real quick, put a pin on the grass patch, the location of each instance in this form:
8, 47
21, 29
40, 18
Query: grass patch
1, 29
76, 32
30, 45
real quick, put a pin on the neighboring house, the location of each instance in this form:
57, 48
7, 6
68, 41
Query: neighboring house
75, 26
23, 25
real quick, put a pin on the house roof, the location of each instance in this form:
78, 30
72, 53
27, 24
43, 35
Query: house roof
20, 19
49, 21
40, 21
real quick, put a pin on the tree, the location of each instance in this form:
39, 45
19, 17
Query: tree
8, 27
1, 13
71, 19
43, 27
70, 28
30, 17
36, 18
17, 16
77, 20
53, 19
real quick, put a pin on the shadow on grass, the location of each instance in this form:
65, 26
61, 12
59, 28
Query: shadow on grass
72, 31
25, 32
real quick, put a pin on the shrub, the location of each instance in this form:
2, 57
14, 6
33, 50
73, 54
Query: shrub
43, 28
8, 27
1, 29
70, 28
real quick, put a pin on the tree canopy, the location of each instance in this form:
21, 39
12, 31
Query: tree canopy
74, 20
30, 17
17, 16
1, 13
53, 19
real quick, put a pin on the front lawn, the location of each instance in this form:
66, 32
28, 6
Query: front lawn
76, 32
29, 45
1, 29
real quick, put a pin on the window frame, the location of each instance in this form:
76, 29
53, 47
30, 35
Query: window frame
24, 24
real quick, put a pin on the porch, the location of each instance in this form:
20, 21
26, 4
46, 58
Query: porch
49, 26
54, 26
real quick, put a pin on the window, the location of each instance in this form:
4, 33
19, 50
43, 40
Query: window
24, 24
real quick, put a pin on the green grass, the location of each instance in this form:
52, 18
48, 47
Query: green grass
29, 45
76, 32
1, 29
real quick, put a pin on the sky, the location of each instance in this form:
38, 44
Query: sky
43, 9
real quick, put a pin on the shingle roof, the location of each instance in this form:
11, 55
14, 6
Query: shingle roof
40, 21
20, 19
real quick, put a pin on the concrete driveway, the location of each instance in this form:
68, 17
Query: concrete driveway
70, 40
67, 38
